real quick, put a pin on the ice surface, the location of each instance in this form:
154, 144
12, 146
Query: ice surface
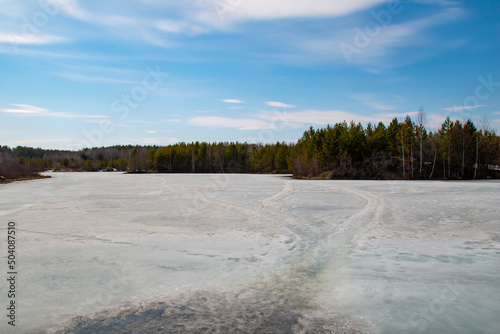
111, 252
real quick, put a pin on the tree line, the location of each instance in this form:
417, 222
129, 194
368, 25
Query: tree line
401, 150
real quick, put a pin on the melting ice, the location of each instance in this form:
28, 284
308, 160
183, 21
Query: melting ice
111, 252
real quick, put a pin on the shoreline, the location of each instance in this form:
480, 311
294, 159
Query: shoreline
322, 177
27, 178
325, 176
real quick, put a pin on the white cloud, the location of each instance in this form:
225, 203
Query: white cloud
87, 78
399, 115
127, 22
380, 106
456, 108
29, 110
171, 120
178, 27
118, 125
375, 102
198, 16
151, 131
232, 101
434, 121
284, 9
46, 140
157, 21
240, 123
170, 26
279, 104
345, 44
314, 117
72, 8
138, 121
296, 119
158, 141
225, 15
16, 39
25, 109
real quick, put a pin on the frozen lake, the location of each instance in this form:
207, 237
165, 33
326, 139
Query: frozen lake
104, 252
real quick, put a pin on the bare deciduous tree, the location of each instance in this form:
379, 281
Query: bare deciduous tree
421, 119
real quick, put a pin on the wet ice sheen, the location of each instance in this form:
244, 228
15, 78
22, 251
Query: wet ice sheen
109, 252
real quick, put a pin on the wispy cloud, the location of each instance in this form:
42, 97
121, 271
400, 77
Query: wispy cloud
279, 104
199, 17
72, 8
380, 106
156, 131
29, 110
376, 102
398, 115
285, 9
459, 108
171, 120
86, 78
99, 121
232, 101
138, 121
159, 141
434, 121
382, 49
310, 117
16, 39
112, 70
36, 142
127, 22
25, 109
202, 16
295, 119
179, 27
305, 118
158, 23
224, 122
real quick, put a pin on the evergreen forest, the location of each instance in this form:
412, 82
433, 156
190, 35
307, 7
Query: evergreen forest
400, 150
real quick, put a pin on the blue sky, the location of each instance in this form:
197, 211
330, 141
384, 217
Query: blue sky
91, 73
